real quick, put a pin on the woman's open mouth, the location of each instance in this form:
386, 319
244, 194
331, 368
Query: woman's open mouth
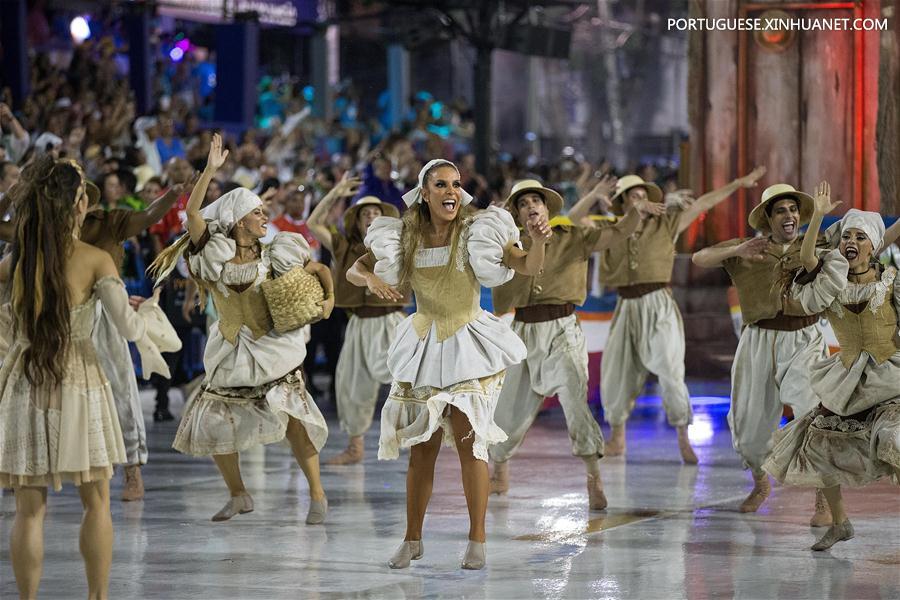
449, 205
851, 253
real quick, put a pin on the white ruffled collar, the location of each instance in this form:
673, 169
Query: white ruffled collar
873, 292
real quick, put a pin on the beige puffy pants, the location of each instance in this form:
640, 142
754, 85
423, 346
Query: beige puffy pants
646, 336
362, 369
556, 365
770, 368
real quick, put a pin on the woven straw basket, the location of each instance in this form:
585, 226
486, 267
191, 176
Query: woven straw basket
293, 299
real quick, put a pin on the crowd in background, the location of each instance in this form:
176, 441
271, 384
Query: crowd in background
80, 106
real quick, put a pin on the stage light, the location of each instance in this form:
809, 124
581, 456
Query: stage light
176, 54
79, 29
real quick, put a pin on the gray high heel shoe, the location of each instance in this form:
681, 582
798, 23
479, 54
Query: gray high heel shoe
835, 534
236, 505
317, 511
412, 550
474, 558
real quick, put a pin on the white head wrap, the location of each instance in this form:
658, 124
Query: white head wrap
231, 208
869, 222
415, 195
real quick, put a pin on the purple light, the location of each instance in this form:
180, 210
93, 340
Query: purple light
184, 44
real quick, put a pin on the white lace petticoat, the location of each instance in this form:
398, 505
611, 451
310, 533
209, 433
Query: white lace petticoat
412, 415
228, 420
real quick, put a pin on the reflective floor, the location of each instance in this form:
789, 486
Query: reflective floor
671, 531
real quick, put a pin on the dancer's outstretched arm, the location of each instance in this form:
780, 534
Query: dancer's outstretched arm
599, 195
361, 274
753, 249
711, 199
317, 222
530, 263
141, 220
628, 224
822, 207
195, 224
890, 236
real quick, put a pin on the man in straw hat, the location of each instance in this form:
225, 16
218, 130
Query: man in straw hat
362, 365
545, 320
646, 334
779, 341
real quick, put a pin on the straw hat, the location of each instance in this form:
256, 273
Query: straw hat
759, 220
551, 198
632, 181
388, 210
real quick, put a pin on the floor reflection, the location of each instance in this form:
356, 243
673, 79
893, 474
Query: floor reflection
671, 531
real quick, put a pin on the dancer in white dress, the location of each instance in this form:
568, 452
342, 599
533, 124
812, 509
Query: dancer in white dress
448, 359
57, 412
853, 436
254, 391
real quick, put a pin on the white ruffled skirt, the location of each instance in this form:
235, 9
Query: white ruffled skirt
227, 420
55, 434
853, 438
465, 370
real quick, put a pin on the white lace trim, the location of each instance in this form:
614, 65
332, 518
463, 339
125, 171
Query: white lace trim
432, 257
839, 423
462, 255
856, 293
242, 274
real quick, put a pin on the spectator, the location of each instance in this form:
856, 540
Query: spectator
293, 219
377, 182
168, 144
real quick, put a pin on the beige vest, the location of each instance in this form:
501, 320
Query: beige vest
448, 298
563, 280
762, 286
646, 257
872, 332
245, 308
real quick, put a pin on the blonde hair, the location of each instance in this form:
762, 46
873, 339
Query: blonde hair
164, 263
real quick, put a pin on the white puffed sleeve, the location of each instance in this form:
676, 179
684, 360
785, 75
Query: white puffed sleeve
488, 238
148, 327
288, 250
209, 260
817, 294
383, 239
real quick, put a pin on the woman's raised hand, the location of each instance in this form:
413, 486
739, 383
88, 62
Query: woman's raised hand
217, 155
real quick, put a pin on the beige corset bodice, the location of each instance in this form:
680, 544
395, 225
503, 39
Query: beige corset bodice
247, 307
447, 298
869, 330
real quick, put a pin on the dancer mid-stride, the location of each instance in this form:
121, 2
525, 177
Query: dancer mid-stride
779, 341
647, 334
254, 391
557, 361
448, 359
362, 365
853, 436
58, 418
